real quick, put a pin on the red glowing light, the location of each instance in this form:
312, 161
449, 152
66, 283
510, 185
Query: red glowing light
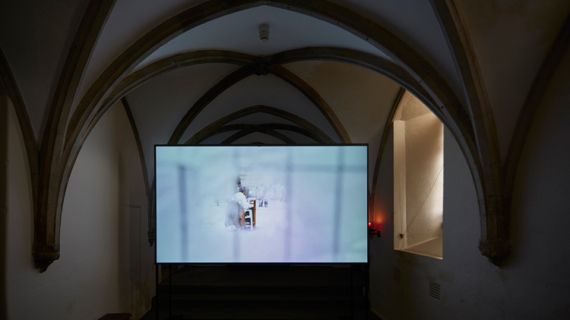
369, 224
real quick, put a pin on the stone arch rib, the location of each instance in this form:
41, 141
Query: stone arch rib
315, 98
49, 198
90, 108
259, 68
8, 82
245, 129
494, 178
47, 220
212, 93
244, 133
532, 102
90, 113
435, 97
212, 128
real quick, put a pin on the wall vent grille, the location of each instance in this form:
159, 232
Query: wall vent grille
435, 290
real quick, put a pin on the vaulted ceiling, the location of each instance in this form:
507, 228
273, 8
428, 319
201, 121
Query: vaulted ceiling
196, 71
510, 39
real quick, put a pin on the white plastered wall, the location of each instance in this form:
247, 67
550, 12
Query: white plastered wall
137, 263
534, 282
92, 277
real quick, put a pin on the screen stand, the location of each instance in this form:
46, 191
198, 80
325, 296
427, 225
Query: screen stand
170, 292
156, 291
170, 315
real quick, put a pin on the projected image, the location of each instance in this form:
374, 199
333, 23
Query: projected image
261, 204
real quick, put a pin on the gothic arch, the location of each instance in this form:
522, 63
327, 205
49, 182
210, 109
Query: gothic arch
9, 87
247, 71
213, 127
421, 79
245, 129
270, 132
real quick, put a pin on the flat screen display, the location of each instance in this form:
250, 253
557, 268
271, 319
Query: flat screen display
261, 204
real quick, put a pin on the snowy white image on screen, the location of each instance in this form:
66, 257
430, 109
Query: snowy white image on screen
268, 204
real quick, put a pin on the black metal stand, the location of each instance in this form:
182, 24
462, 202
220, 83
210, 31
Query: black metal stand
156, 298
170, 315
170, 291
157, 294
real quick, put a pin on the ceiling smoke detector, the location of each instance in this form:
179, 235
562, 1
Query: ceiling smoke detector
264, 32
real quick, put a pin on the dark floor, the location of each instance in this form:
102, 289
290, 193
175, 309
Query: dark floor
221, 292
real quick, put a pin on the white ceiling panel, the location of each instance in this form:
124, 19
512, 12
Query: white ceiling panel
239, 32
361, 98
511, 39
35, 37
261, 90
158, 105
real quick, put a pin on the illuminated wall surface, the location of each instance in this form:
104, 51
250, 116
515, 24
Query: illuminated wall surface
311, 204
418, 179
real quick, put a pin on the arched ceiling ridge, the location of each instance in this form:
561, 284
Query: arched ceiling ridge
270, 132
272, 63
244, 129
9, 87
136, 79
197, 15
258, 69
237, 31
423, 77
206, 131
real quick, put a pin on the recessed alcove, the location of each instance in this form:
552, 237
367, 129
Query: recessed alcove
418, 179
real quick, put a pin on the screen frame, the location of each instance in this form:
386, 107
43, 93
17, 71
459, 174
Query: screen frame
234, 263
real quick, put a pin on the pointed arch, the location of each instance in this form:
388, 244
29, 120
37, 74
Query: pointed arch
259, 68
421, 77
245, 129
213, 127
245, 132
10, 88
52, 181
533, 99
